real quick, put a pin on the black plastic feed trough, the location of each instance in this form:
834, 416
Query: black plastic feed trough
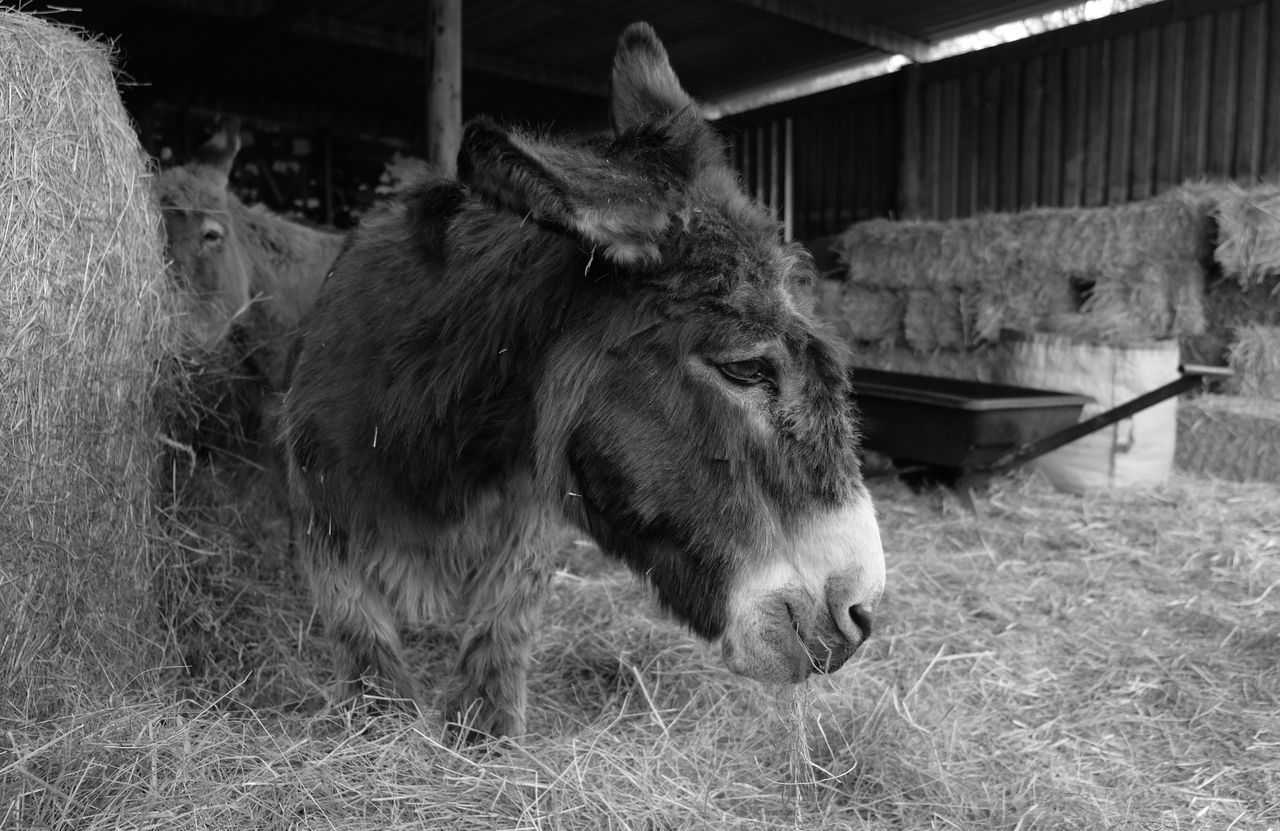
965, 431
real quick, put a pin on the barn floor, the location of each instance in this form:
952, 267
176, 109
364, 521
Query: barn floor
1102, 662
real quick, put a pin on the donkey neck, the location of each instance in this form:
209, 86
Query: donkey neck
286, 261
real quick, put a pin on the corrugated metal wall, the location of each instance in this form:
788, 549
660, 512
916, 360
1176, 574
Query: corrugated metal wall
1101, 113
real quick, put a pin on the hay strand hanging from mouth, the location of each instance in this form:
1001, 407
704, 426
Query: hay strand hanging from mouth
82, 328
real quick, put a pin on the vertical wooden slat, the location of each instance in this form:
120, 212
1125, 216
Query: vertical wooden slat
1271, 123
853, 144
800, 194
788, 181
1253, 99
1098, 114
1119, 174
1076, 122
954, 145
1226, 97
1050, 192
968, 147
933, 173
1172, 93
888, 180
929, 138
775, 169
1031, 133
1202, 90
1009, 161
837, 167
832, 185
813, 174
910, 202
1146, 114
986, 167
758, 163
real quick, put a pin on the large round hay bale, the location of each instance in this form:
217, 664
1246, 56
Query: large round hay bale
81, 330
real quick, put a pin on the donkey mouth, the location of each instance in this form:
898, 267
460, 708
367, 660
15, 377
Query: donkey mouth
788, 635
819, 652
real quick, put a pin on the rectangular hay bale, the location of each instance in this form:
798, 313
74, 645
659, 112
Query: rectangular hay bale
1229, 437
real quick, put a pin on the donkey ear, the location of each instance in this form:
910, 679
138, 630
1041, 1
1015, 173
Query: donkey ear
644, 87
620, 203
219, 152
499, 167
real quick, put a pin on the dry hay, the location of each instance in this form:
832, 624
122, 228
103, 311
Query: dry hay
1230, 437
967, 365
1229, 307
1248, 232
1254, 357
939, 319
869, 314
1063, 662
83, 330
1128, 312
1018, 270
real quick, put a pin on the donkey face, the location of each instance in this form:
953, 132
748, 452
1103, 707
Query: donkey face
694, 411
205, 261
715, 453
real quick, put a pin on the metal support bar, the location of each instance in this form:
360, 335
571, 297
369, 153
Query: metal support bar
1191, 376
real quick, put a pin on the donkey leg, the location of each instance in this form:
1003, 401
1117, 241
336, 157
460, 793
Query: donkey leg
361, 622
486, 695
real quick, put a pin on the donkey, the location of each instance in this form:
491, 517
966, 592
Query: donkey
596, 333
244, 273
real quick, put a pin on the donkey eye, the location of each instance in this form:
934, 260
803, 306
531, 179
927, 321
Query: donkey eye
751, 371
212, 235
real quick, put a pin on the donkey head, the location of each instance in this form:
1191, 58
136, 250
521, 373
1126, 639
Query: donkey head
205, 261
692, 414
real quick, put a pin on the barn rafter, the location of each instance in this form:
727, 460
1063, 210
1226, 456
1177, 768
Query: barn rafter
839, 21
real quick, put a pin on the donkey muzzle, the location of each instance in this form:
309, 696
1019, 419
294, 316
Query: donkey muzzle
794, 635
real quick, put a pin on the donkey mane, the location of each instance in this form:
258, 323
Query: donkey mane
472, 356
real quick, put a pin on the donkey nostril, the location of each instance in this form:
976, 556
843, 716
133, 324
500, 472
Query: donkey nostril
862, 619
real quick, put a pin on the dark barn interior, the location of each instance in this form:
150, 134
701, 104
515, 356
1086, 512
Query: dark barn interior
330, 90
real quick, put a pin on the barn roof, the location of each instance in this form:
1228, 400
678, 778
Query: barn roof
359, 66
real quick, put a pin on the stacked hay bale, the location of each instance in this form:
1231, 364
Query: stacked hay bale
1236, 435
934, 296
82, 327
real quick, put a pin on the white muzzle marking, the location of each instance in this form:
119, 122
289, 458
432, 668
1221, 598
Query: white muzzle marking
831, 563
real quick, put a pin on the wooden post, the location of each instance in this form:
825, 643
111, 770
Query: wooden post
444, 84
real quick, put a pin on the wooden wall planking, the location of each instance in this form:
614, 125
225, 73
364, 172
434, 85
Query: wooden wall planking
1105, 112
